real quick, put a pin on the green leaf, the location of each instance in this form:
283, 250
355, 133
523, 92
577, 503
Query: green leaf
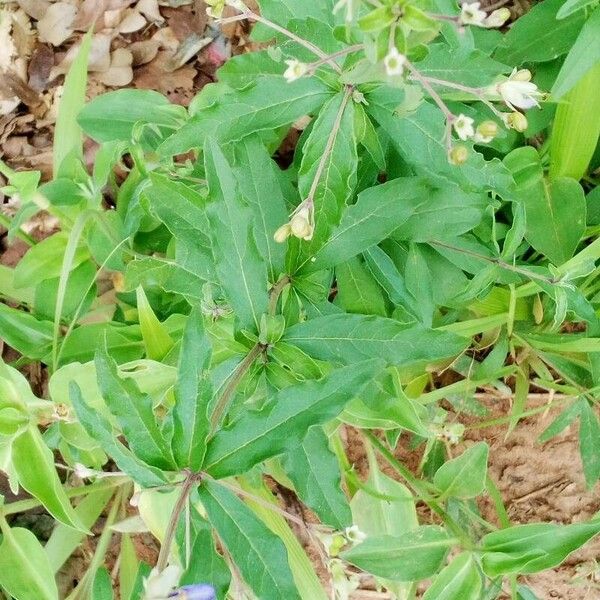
26, 334
157, 340
284, 11
68, 140
264, 106
328, 167
534, 547
102, 588
353, 338
113, 116
193, 393
315, 473
415, 555
134, 413
284, 421
377, 213
582, 57
44, 260
464, 476
571, 6
257, 178
100, 429
258, 553
589, 434
555, 211
33, 463
357, 290
538, 36
24, 569
460, 580
240, 267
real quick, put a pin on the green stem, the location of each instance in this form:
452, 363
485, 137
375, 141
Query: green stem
6, 222
275, 292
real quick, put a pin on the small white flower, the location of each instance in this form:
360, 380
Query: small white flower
463, 126
84, 472
518, 92
354, 535
295, 70
159, 585
471, 14
497, 18
394, 62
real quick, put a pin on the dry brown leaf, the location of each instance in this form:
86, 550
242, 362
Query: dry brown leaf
36, 9
56, 25
120, 72
144, 51
132, 21
149, 8
177, 85
99, 57
22, 34
167, 39
40, 66
188, 48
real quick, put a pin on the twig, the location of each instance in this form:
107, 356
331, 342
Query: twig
275, 292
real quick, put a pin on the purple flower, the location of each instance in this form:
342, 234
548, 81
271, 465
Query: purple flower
198, 591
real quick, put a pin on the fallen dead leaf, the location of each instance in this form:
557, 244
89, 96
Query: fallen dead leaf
36, 9
120, 72
188, 48
99, 57
40, 65
55, 26
177, 85
144, 51
149, 8
132, 21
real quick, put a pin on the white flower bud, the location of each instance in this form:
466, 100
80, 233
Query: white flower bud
497, 18
458, 155
517, 121
283, 233
471, 14
486, 132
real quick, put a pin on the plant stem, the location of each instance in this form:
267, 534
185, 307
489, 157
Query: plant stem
275, 292
165, 547
6, 222
223, 402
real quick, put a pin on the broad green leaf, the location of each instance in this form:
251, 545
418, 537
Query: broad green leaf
114, 115
68, 140
555, 211
464, 476
44, 260
193, 393
414, 555
462, 65
582, 57
357, 290
283, 422
589, 434
577, 126
420, 283
134, 413
538, 36
377, 213
284, 11
460, 580
33, 463
157, 340
258, 553
571, 6
102, 588
264, 106
240, 267
534, 547
353, 338
101, 430
24, 569
328, 167
257, 178
315, 473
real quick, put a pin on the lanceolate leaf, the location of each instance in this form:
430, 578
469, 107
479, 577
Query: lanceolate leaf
315, 473
284, 420
134, 412
589, 434
460, 580
464, 476
100, 429
258, 553
33, 463
410, 557
25, 572
193, 393
376, 214
240, 267
353, 338
329, 167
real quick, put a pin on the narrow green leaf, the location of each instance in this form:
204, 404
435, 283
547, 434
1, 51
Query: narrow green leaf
26, 334
258, 553
464, 476
24, 569
589, 435
315, 473
33, 463
460, 580
354, 338
157, 340
284, 420
102, 588
240, 267
193, 393
101, 430
415, 555
134, 413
